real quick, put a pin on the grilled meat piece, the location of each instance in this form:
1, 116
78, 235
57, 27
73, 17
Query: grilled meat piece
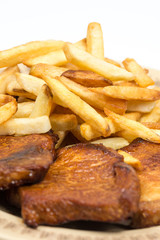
149, 175
25, 159
86, 182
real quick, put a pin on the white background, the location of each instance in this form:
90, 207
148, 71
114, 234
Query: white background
131, 27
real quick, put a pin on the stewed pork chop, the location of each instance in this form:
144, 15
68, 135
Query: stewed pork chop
25, 159
149, 175
86, 182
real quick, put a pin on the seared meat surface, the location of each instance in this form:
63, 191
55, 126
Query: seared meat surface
149, 175
86, 182
25, 159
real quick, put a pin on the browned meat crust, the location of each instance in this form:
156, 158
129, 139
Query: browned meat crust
25, 159
86, 182
149, 175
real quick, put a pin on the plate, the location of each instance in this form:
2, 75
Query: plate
13, 228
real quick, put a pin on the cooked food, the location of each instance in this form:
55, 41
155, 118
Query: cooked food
25, 159
86, 182
87, 78
148, 154
83, 96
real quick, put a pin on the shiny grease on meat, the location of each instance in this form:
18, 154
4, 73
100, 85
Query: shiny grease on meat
25, 159
86, 182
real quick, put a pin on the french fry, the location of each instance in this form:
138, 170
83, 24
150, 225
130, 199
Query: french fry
95, 45
133, 116
24, 110
114, 142
135, 128
87, 78
23, 68
141, 76
127, 135
8, 106
131, 93
152, 125
40, 69
70, 66
19, 54
88, 132
77, 133
24, 126
13, 88
153, 116
29, 83
43, 103
134, 162
63, 122
56, 58
119, 106
81, 44
124, 83
140, 106
4, 77
88, 62
85, 111
112, 62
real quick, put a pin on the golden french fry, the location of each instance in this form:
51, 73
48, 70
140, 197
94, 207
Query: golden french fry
153, 116
88, 132
23, 68
114, 142
13, 88
124, 83
63, 122
141, 76
140, 106
4, 77
85, 111
133, 115
112, 62
87, 78
129, 159
131, 93
135, 128
119, 106
24, 126
24, 109
56, 58
29, 83
13, 56
127, 135
70, 66
95, 45
81, 44
8, 107
40, 69
89, 62
152, 125
43, 103
77, 133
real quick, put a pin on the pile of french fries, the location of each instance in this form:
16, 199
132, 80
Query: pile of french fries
75, 88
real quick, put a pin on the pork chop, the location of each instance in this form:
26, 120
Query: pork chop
86, 182
149, 175
25, 159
